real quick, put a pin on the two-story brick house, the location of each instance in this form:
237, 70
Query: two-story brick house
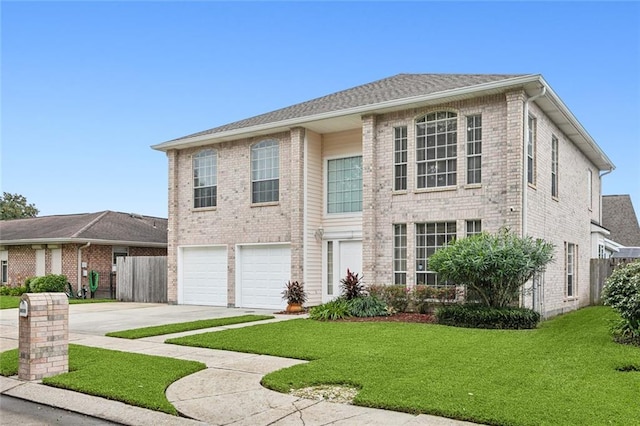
375, 179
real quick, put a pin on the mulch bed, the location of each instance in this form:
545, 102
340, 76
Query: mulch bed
399, 317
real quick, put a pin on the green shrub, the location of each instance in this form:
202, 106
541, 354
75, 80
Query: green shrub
334, 310
27, 283
426, 298
622, 293
367, 306
494, 267
480, 316
5, 290
351, 286
397, 297
51, 283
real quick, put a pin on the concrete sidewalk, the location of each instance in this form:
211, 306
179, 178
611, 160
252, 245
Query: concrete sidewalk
227, 392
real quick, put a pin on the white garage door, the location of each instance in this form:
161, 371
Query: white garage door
263, 272
203, 275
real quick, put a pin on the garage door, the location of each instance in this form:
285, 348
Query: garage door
203, 276
263, 272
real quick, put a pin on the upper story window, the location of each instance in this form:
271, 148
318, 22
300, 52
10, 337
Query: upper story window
436, 149
474, 149
344, 185
265, 171
205, 178
554, 166
590, 187
531, 150
400, 158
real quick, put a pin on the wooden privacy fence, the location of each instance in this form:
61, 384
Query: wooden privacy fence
600, 271
141, 279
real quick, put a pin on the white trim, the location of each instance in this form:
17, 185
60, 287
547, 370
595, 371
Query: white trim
83, 241
305, 208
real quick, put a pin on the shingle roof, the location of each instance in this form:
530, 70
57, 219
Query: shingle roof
100, 226
619, 217
400, 86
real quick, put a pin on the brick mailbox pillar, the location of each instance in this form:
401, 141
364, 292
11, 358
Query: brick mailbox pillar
44, 335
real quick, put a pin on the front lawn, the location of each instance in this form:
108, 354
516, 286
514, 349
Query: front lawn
131, 378
159, 330
563, 373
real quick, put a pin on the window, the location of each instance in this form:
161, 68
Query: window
265, 172
602, 254
400, 158
344, 185
436, 149
119, 252
400, 254
474, 149
330, 268
531, 150
570, 266
554, 166
205, 177
4, 266
429, 238
474, 227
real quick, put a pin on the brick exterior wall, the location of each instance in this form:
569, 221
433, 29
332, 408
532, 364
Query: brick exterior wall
22, 263
235, 220
497, 201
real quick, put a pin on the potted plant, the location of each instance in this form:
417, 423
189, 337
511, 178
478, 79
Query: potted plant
295, 296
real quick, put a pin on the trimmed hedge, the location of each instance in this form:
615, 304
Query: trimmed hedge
51, 283
479, 316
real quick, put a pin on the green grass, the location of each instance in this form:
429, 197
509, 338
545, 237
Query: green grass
138, 333
563, 373
10, 302
134, 379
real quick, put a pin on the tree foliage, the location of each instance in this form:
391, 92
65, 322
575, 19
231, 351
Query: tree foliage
15, 206
493, 266
622, 293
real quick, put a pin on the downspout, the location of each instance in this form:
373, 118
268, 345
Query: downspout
525, 182
600, 194
80, 266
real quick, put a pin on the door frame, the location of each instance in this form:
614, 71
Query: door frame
336, 270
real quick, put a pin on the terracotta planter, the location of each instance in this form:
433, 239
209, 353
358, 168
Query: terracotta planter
294, 307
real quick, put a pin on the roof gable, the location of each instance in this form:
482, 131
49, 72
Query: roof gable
619, 217
106, 226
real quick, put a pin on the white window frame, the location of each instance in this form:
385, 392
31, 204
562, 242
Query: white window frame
590, 187
571, 273
436, 164
265, 172
473, 227
205, 178
474, 149
444, 232
328, 187
400, 158
400, 254
531, 150
554, 166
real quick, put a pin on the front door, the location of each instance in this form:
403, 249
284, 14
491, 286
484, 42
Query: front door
340, 256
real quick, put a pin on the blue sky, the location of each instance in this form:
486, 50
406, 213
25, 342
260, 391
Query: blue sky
87, 87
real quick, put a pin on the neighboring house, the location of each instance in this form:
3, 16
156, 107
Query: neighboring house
76, 244
619, 217
375, 179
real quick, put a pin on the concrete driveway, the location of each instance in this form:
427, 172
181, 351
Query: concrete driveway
100, 318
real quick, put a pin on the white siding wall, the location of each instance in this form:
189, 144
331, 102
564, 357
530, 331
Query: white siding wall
313, 218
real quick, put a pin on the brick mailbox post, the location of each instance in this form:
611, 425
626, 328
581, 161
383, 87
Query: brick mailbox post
44, 335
